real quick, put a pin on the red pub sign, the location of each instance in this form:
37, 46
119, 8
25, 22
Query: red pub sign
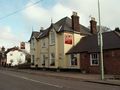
68, 39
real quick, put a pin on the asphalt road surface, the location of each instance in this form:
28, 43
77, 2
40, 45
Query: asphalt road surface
10, 80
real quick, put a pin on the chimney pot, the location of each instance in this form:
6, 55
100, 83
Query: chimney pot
93, 18
74, 13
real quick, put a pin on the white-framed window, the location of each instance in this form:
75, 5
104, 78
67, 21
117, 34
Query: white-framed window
94, 59
52, 59
73, 59
52, 37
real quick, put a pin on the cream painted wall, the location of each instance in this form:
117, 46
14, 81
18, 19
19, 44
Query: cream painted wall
77, 38
59, 48
37, 61
53, 49
34, 51
67, 47
44, 51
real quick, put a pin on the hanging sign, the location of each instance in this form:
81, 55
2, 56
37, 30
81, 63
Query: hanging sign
68, 39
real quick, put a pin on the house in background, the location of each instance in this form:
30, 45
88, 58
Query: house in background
49, 46
89, 52
15, 56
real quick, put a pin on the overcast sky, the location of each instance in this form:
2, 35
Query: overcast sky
18, 27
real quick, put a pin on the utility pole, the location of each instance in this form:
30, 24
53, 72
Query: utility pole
100, 42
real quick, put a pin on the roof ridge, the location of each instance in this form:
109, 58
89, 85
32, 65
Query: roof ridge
62, 19
63, 24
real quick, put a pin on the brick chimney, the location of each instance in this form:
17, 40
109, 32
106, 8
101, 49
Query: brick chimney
93, 26
75, 22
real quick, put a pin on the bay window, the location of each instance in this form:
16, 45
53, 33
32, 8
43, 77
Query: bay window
52, 37
52, 59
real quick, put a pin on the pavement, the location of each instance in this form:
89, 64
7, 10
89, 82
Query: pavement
93, 78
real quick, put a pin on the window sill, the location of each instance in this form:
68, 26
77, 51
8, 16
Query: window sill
74, 65
52, 44
52, 64
94, 65
44, 47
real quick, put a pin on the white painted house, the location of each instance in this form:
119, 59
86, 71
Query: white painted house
16, 57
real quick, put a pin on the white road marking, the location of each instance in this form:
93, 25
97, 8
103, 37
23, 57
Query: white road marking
29, 79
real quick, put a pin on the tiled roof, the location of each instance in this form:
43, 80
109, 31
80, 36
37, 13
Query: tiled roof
16, 48
111, 40
65, 24
44, 33
35, 34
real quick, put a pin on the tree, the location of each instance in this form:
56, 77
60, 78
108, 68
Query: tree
104, 28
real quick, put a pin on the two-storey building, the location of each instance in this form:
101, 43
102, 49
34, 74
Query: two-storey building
49, 46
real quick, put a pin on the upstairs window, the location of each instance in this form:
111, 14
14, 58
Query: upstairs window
11, 54
94, 59
52, 37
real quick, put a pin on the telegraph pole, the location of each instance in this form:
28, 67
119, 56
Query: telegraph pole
100, 40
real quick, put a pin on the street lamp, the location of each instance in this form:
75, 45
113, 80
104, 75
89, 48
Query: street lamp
100, 43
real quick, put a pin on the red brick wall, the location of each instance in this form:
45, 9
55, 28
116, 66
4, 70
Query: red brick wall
111, 62
85, 64
94, 69
84, 61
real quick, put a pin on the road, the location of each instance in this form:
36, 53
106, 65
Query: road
10, 80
